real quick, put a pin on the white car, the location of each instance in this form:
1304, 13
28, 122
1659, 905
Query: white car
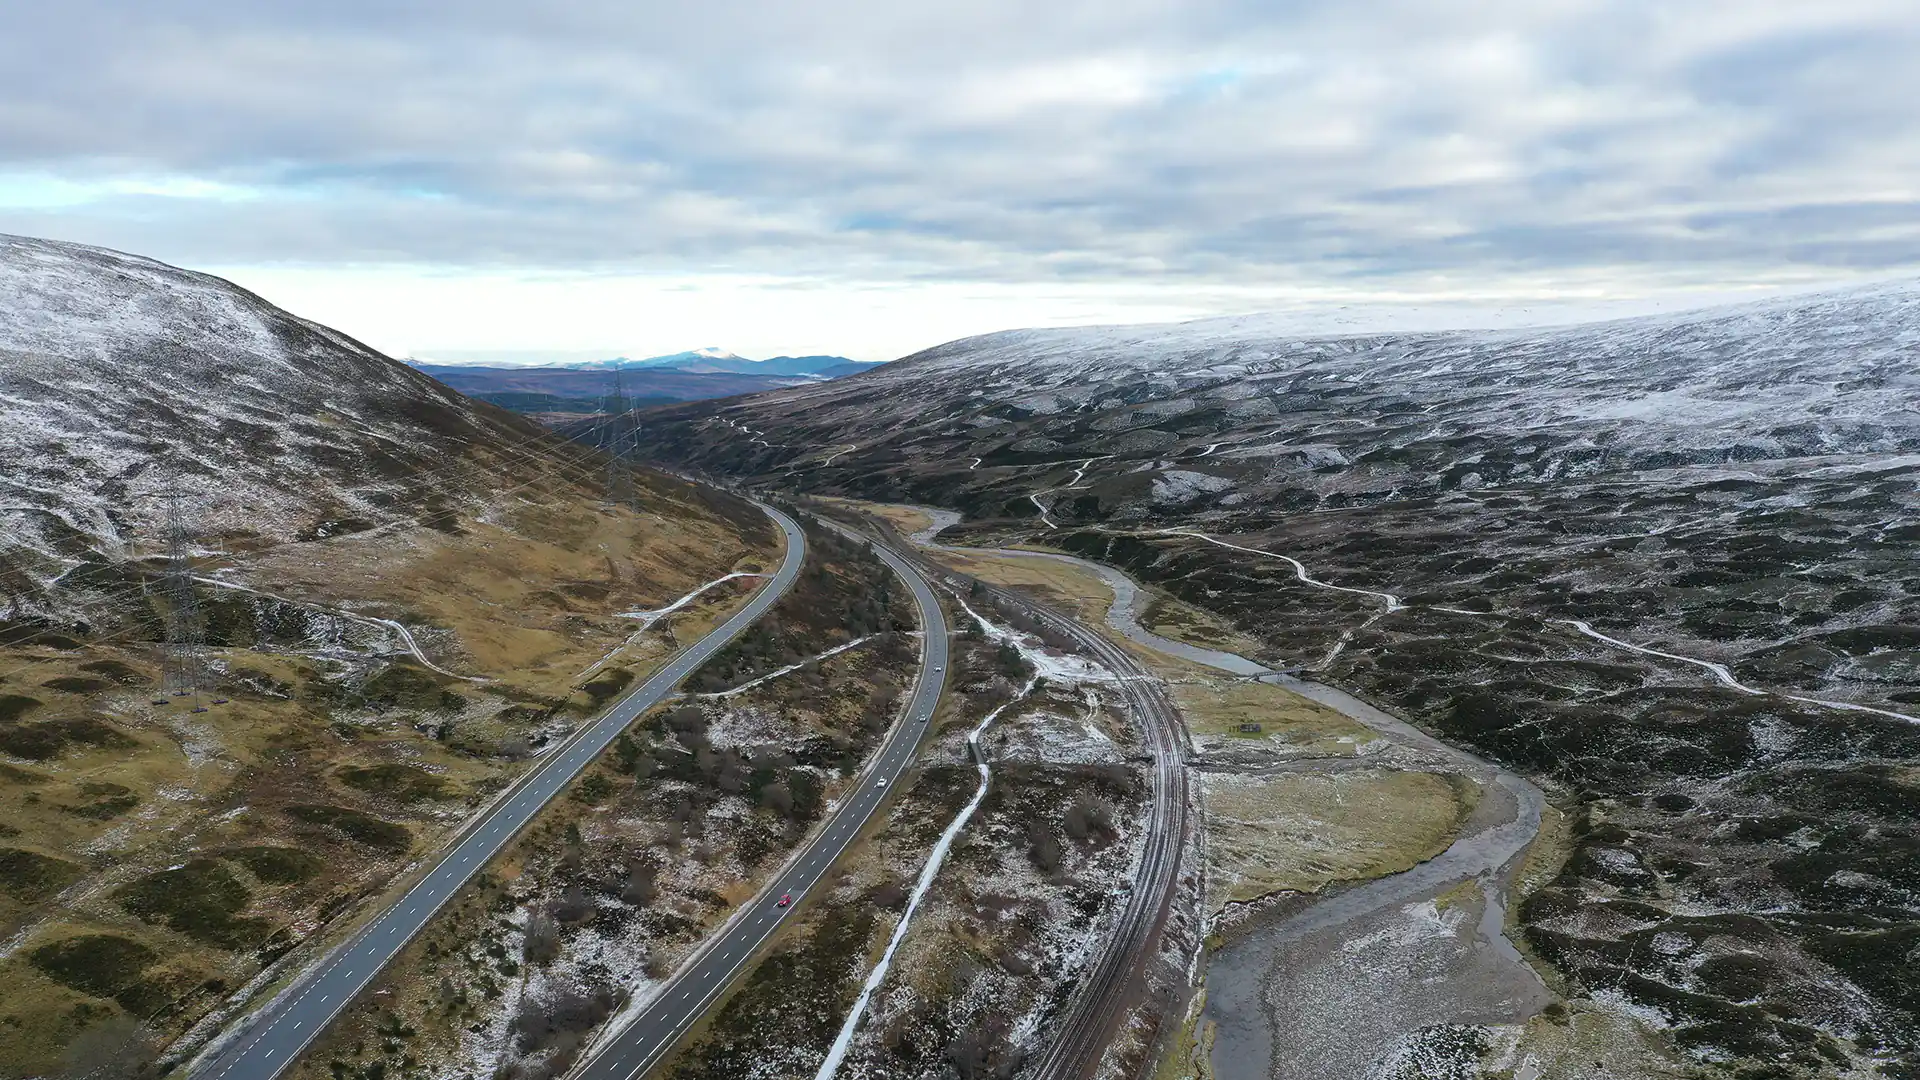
883, 782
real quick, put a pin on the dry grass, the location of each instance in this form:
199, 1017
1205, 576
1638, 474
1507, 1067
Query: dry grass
1302, 831
528, 601
907, 519
525, 598
1082, 593
706, 869
1538, 865
1219, 706
1059, 583
1180, 621
1186, 1053
1592, 1042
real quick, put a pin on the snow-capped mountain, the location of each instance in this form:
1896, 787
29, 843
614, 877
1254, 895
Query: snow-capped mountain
688, 358
561, 389
1722, 422
1807, 375
1667, 566
705, 361
708, 360
123, 379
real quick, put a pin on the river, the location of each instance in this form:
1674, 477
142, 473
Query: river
1325, 987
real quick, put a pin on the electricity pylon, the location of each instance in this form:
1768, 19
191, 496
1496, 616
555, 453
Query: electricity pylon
185, 671
617, 438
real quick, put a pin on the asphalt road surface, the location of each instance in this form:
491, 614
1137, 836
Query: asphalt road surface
272, 1037
700, 981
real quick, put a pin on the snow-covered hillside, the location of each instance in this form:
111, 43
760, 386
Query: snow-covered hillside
1758, 443
1669, 567
122, 378
1805, 375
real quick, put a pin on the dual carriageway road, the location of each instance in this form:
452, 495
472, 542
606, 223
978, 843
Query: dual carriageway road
271, 1038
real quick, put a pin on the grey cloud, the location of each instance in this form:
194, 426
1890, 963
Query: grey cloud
1214, 142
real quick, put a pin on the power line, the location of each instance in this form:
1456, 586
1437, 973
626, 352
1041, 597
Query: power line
617, 439
185, 669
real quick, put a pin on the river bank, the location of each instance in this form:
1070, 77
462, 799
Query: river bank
1402, 971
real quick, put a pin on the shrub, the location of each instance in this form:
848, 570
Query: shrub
594, 788
541, 944
15, 706
403, 686
406, 783
573, 905
108, 801
606, 685
541, 1024
113, 669
76, 684
98, 964
777, 797
1042, 848
30, 876
1090, 820
278, 865
201, 900
365, 828
640, 887
689, 723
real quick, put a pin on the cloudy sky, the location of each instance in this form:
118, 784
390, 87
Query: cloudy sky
477, 177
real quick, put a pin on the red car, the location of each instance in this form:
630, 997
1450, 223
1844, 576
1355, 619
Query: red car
786, 899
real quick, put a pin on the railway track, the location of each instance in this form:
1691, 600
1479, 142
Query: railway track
1102, 996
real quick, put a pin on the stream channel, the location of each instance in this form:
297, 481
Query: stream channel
1365, 975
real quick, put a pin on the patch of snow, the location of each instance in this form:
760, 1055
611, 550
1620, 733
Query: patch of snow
648, 618
1613, 1001
789, 669
838, 1052
1181, 485
1050, 664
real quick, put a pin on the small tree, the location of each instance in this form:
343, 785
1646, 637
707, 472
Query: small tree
1042, 848
573, 907
777, 797
640, 887
542, 944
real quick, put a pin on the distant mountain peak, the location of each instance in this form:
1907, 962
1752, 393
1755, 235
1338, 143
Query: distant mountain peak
682, 376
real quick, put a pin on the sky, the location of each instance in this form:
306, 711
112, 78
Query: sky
484, 179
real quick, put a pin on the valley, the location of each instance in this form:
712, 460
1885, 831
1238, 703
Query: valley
1199, 701
401, 606
1662, 569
